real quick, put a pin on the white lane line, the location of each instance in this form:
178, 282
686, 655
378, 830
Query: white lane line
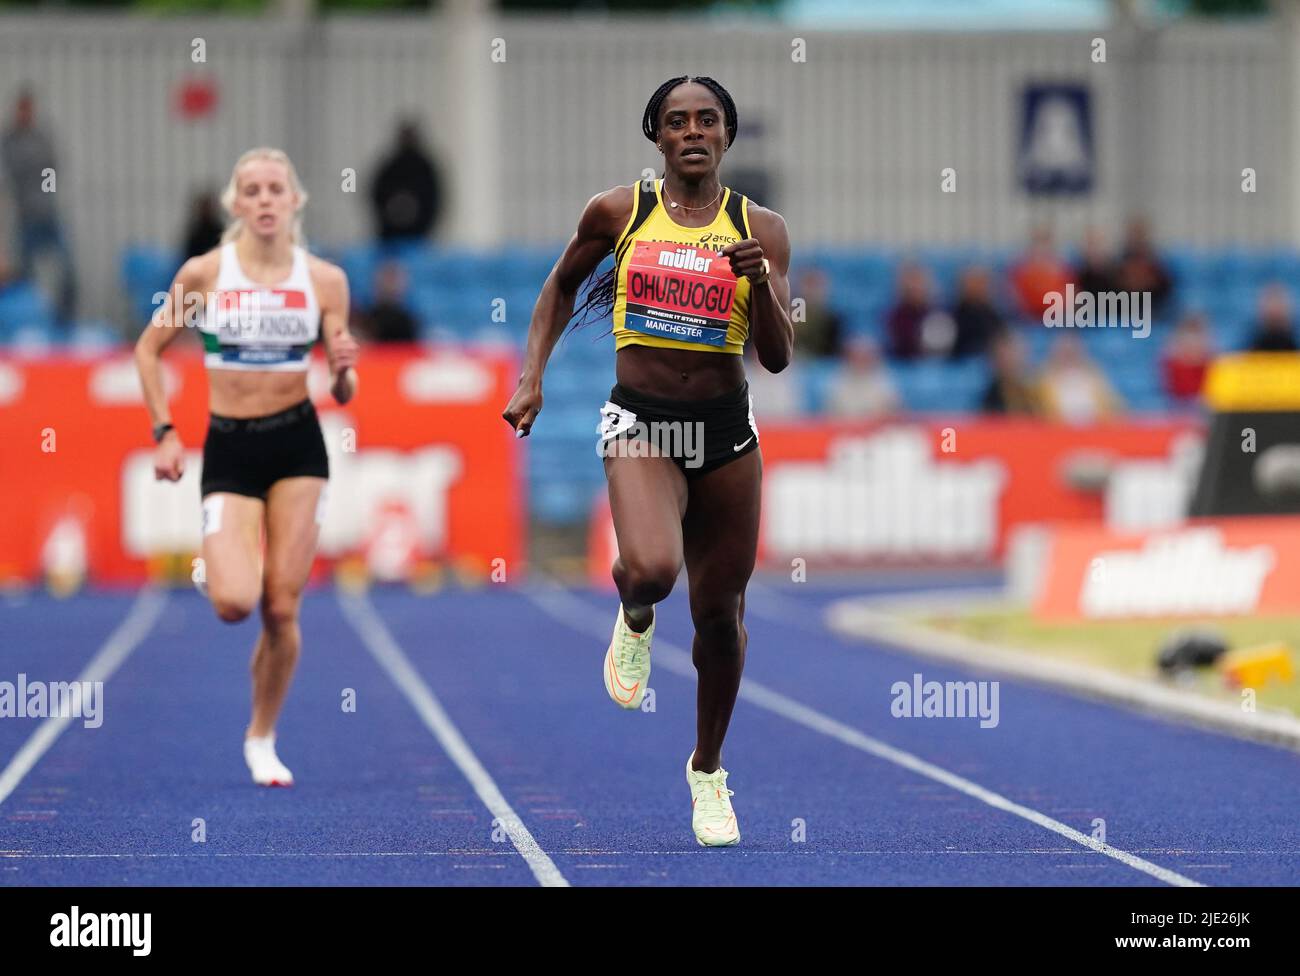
770, 603
568, 609
870, 620
584, 852
133, 629
882, 620
394, 661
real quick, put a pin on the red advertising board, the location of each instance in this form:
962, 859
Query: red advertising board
915, 492
1244, 566
422, 446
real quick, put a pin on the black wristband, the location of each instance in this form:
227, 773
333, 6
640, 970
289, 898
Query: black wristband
160, 432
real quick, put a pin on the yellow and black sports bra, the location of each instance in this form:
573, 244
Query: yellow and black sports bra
674, 288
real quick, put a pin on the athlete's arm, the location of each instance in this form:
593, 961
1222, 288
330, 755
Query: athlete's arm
603, 219
769, 303
181, 306
331, 285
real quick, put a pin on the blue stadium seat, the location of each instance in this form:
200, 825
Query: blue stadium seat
571, 382
452, 290
359, 263
1183, 264
425, 304
445, 268
402, 251
494, 337
1232, 332
1137, 383
573, 420
817, 375
938, 386
35, 338
1038, 340
860, 321
523, 269
146, 271
562, 503
23, 308
1279, 264
945, 266
1228, 267
90, 338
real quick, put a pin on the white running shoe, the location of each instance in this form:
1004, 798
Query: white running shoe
712, 818
627, 663
264, 764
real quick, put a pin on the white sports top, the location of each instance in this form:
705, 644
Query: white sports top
260, 327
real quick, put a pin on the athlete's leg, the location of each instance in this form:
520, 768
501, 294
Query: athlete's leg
291, 534
647, 496
721, 544
232, 539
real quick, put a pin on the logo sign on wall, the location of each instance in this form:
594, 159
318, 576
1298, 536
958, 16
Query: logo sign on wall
1205, 568
1056, 152
913, 493
421, 467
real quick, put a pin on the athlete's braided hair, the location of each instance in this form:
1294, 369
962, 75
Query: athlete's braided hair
598, 299
650, 121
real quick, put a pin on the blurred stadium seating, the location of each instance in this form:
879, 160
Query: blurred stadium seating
454, 294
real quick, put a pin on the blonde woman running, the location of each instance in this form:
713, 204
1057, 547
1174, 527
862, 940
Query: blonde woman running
263, 302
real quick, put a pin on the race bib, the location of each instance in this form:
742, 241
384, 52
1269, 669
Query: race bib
260, 326
614, 420
679, 291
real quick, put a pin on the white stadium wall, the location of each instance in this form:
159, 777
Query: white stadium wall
854, 139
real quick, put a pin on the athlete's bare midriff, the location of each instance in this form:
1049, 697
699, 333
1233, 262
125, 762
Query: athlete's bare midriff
678, 374
237, 393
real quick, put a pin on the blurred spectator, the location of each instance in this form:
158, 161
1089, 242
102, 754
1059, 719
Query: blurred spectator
1187, 358
1274, 330
1097, 271
1012, 390
775, 394
1039, 271
388, 319
821, 332
1072, 388
913, 326
8, 272
863, 386
1140, 268
975, 317
203, 232
407, 192
28, 158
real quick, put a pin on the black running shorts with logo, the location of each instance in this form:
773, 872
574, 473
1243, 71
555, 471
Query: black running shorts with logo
247, 455
698, 435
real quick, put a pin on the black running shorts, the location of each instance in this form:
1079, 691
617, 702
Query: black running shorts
247, 455
698, 435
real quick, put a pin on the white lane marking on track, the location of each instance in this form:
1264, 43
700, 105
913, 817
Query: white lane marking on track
787, 611
394, 661
896, 632
568, 609
128, 635
584, 852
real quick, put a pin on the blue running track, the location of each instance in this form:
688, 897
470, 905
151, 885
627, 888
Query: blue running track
484, 751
